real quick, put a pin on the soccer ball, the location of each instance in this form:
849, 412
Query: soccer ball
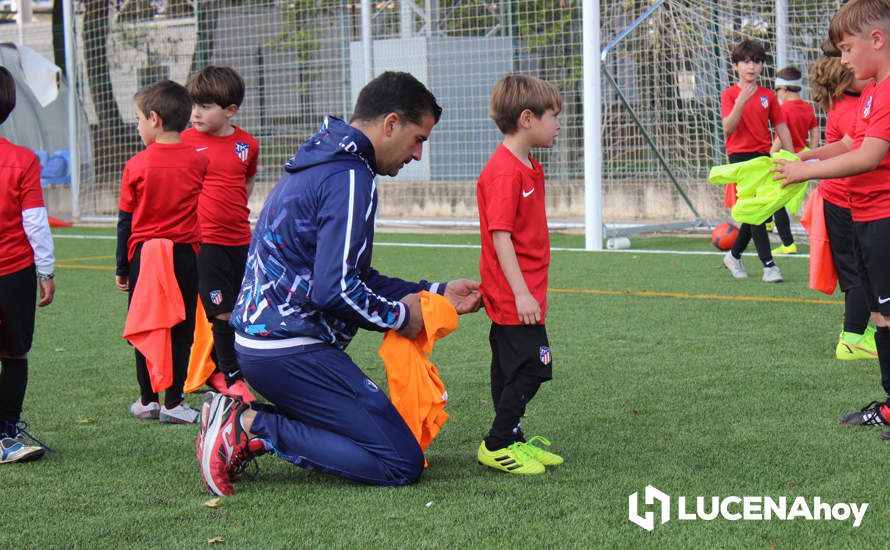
724, 235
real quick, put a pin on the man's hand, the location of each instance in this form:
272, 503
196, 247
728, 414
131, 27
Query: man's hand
528, 308
123, 282
47, 292
415, 317
463, 295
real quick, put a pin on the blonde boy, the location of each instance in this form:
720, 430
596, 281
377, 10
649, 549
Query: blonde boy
513, 265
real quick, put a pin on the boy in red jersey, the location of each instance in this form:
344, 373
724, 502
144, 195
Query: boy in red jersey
513, 264
217, 93
748, 110
861, 31
801, 120
159, 200
26, 260
836, 92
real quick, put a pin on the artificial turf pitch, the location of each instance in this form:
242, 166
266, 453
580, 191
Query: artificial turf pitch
667, 372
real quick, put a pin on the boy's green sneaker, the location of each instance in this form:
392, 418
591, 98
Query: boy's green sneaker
513, 459
782, 249
543, 456
857, 346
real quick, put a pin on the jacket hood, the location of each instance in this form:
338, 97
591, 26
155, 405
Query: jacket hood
334, 140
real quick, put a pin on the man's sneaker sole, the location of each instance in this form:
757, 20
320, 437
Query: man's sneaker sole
221, 409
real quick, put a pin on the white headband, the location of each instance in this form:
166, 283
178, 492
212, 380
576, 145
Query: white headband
781, 82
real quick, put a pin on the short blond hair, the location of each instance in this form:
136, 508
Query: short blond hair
857, 16
515, 93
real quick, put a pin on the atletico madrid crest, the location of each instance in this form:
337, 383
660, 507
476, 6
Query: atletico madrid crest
764, 101
242, 150
544, 355
216, 297
867, 108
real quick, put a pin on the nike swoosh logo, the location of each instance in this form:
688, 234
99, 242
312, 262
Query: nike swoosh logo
883, 300
527, 193
200, 148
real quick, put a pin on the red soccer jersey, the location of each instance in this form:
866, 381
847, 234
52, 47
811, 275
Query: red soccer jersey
160, 187
19, 190
222, 208
752, 135
839, 122
870, 192
800, 118
510, 196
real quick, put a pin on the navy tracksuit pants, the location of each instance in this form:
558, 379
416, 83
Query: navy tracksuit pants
328, 416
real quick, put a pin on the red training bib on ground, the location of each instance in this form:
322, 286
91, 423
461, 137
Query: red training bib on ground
839, 122
870, 192
510, 196
752, 135
160, 187
222, 208
19, 190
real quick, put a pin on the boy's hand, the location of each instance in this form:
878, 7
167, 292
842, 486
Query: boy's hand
789, 172
463, 295
528, 308
47, 292
123, 282
748, 90
415, 317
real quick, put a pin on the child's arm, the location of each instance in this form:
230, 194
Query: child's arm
527, 307
784, 135
813, 139
249, 185
731, 122
777, 144
864, 159
124, 229
829, 150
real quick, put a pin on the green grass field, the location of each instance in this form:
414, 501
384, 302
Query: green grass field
666, 372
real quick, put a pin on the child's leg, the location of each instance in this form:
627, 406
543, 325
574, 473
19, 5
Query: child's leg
871, 242
741, 240
839, 226
761, 244
524, 359
783, 225
183, 334
220, 270
18, 303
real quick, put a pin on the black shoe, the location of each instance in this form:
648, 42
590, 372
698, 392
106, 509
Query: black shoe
870, 415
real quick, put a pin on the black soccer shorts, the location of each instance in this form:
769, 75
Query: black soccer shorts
220, 270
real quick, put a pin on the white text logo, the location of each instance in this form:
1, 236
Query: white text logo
747, 508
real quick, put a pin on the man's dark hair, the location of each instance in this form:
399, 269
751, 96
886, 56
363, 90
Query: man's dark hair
748, 50
396, 92
169, 100
216, 84
7, 94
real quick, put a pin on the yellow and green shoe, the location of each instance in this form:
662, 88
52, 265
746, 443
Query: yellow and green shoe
513, 459
782, 249
857, 346
543, 456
